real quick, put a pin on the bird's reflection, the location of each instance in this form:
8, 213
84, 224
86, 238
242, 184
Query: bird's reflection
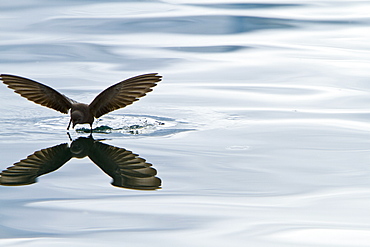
126, 168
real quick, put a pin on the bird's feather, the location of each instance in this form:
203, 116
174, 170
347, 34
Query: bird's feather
41, 162
38, 93
126, 168
123, 93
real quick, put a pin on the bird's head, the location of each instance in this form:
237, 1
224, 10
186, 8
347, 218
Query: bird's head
77, 117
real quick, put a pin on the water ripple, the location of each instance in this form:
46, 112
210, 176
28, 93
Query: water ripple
125, 125
209, 49
246, 5
205, 25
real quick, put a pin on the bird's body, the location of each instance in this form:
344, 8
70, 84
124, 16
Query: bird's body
81, 114
114, 97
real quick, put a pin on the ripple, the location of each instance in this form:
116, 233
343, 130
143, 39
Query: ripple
237, 148
325, 236
246, 5
188, 24
209, 49
201, 24
125, 125
78, 52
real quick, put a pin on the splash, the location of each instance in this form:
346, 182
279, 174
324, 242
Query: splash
127, 125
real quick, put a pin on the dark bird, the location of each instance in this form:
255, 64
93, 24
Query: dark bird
114, 97
126, 169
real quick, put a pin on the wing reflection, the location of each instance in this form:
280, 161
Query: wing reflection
127, 169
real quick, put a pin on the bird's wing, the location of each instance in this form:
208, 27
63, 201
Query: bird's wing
126, 168
38, 93
40, 162
123, 93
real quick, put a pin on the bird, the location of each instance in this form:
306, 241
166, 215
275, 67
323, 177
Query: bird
114, 97
126, 168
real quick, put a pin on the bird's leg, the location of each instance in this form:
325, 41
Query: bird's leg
70, 121
91, 129
69, 136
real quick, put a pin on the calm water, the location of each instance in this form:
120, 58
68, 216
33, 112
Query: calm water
259, 131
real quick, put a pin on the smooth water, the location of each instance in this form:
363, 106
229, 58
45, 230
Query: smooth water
259, 131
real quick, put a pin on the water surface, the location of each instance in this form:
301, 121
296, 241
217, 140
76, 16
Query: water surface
259, 131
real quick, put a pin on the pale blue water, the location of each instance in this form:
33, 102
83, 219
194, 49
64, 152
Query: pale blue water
259, 130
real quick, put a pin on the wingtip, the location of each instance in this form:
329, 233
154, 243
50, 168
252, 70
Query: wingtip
153, 74
8, 75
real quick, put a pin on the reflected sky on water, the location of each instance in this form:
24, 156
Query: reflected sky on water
259, 130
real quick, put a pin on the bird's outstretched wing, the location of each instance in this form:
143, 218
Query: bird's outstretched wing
123, 93
38, 93
40, 162
126, 168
